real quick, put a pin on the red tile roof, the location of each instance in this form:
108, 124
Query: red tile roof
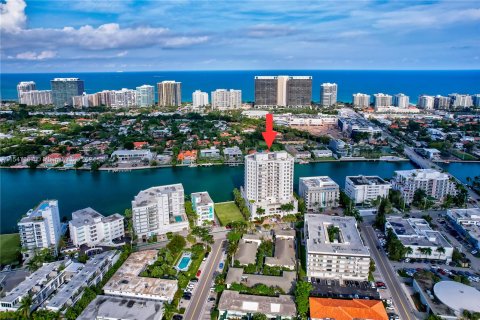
338, 309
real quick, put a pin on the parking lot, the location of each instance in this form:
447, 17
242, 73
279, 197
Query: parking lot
347, 289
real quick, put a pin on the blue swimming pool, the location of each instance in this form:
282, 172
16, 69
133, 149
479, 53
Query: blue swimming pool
184, 262
178, 219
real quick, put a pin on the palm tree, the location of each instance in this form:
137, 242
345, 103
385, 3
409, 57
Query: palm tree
25, 306
440, 251
408, 251
428, 251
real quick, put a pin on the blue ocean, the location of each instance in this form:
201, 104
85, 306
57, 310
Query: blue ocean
409, 82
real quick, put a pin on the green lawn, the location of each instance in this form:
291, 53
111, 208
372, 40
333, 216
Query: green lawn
9, 248
228, 212
463, 155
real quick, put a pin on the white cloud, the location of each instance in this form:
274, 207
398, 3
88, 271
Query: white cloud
31, 55
270, 30
12, 15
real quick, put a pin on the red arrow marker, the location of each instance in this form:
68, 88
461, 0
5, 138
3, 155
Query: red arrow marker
269, 135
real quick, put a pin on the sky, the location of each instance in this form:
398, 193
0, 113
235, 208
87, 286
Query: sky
125, 35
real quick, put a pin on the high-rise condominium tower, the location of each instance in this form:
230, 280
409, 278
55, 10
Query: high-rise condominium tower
199, 98
328, 94
268, 186
64, 89
361, 100
145, 96
169, 93
226, 99
283, 90
400, 100
426, 102
25, 86
382, 100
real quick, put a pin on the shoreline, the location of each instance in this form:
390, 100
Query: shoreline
116, 169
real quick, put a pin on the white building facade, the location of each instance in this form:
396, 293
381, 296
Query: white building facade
366, 188
41, 227
226, 99
382, 100
328, 94
199, 99
145, 96
158, 210
435, 183
89, 227
426, 102
203, 206
36, 97
269, 184
319, 192
361, 100
401, 101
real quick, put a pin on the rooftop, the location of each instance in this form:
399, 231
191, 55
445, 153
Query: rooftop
318, 241
366, 180
422, 174
284, 254
127, 280
37, 213
246, 252
416, 232
201, 198
286, 281
340, 309
234, 301
457, 296
150, 195
107, 307
270, 156
318, 182
86, 216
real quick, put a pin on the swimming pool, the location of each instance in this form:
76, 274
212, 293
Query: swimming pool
178, 219
184, 262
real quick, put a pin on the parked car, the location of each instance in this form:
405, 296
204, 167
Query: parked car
199, 272
220, 265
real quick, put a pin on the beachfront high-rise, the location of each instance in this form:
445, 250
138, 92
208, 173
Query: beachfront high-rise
158, 210
199, 99
436, 184
426, 102
40, 228
64, 89
361, 100
328, 94
145, 96
169, 93
25, 86
382, 100
441, 102
268, 188
226, 99
401, 101
36, 97
283, 91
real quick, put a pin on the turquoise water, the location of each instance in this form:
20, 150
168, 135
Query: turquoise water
184, 263
410, 82
107, 192
178, 219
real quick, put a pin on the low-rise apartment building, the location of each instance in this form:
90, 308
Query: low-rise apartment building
89, 227
40, 228
423, 242
319, 192
126, 156
334, 248
158, 210
235, 305
366, 188
203, 206
436, 184
467, 222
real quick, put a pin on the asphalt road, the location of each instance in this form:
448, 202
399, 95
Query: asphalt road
402, 305
195, 308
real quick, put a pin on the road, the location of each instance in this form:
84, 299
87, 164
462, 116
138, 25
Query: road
400, 300
195, 308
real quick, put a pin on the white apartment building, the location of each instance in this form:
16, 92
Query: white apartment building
361, 100
319, 192
435, 183
416, 234
339, 255
460, 100
269, 183
25, 86
145, 96
124, 98
41, 227
366, 188
199, 99
382, 100
426, 102
226, 99
88, 227
39, 285
203, 206
36, 97
328, 94
127, 156
158, 210
401, 101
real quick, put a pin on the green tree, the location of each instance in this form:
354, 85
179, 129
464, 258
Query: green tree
302, 293
25, 306
259, 316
